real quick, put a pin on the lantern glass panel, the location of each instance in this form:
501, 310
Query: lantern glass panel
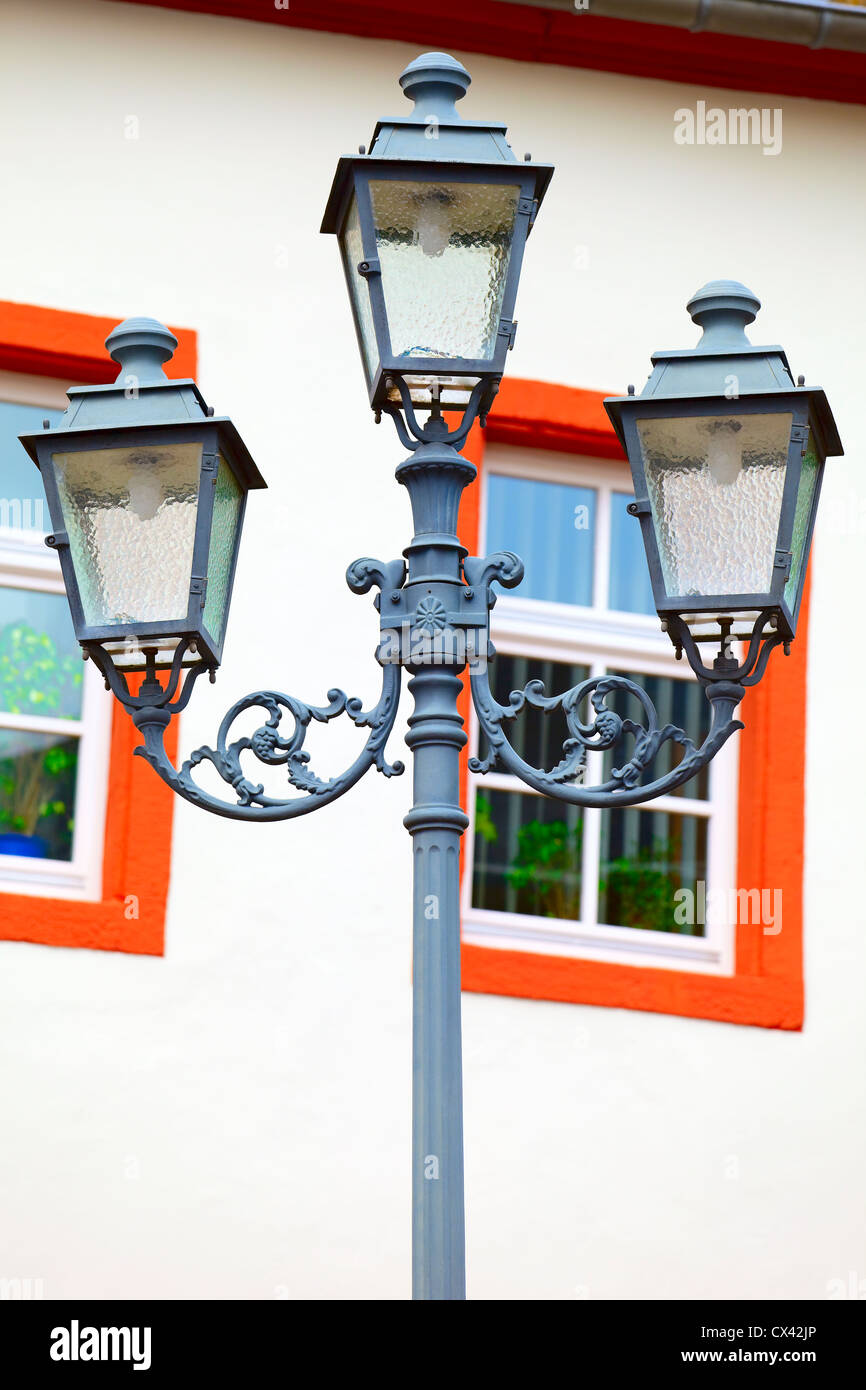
715, 485
228, 500
130, 514
444, 250
802, 514
352, 247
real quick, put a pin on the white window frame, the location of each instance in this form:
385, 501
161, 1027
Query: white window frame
600, 639
27, 563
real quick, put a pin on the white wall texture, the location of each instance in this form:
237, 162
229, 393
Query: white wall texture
256, 1079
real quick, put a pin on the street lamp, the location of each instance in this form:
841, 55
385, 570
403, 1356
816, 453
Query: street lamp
727, 456
146, 490
432, 226
434, 219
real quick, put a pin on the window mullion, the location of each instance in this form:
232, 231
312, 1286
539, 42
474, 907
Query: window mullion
601, 577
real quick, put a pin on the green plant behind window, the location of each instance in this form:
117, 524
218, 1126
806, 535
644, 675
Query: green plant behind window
547, 863
640, 888
37, 784
35, 677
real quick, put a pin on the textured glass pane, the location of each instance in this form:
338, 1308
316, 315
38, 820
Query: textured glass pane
551, 526
527, 855
130, 514
444, 250
223, 534
646, 857
715, 484
37, 794
678, 702
802, 514
22, 498
353, 253
40, 661
630, 588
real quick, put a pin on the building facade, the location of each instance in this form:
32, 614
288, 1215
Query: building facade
204, 1025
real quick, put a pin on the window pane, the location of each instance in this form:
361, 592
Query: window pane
527, 855
537, 737
551, 527
646, 856
630, 587
37, 794
40, 662
22, 498
679, 702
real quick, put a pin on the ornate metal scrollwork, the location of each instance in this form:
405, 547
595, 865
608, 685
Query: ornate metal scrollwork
623, 787
724, 683
155, 703
274, 748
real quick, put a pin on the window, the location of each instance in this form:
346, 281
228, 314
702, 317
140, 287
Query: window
558, 878
54, 727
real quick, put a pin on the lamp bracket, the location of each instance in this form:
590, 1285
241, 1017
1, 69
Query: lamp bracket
599, 730
157, 701
412, 434
593, 726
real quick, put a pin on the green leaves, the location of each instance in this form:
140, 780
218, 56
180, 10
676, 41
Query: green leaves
547, 863
485, 825
35, 678
546, 867
641, 889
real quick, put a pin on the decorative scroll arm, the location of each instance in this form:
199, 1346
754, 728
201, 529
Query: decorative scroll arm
154, 704
273, 748
623, 787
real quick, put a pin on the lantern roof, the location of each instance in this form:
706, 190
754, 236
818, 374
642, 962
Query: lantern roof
433, 132
142, 395
724, 364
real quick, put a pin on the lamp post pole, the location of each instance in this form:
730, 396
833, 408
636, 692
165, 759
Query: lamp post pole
435, 482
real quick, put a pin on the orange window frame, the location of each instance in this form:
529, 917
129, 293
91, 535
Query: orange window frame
130, 914
766, 988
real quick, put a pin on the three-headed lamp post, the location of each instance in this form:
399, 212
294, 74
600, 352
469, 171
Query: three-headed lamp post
147, 490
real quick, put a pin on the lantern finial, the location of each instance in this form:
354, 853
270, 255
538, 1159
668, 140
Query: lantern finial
140, 346
722, 308
435, 81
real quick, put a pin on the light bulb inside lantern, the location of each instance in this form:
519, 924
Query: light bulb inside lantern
434, 226
725, 454
145, 492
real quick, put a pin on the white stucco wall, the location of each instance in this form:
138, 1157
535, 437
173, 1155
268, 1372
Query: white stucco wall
233, 1120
